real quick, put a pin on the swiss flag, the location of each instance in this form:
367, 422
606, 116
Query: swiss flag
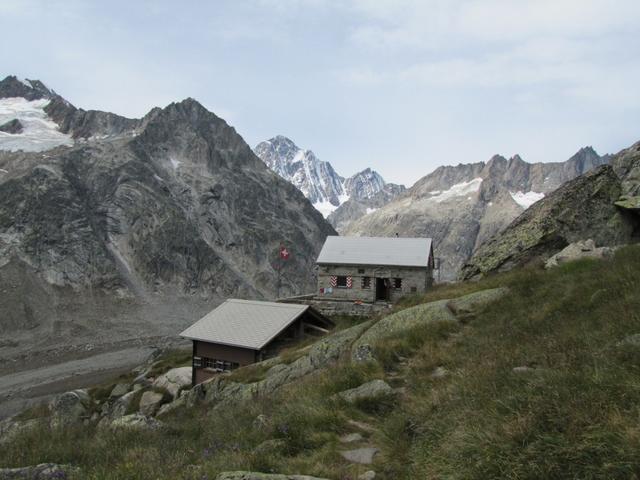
284, 252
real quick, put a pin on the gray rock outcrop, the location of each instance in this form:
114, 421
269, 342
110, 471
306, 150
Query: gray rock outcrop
150, 403
135, 421
576, 251
362, 455
368, 391
43, 471
12, 126
69, 407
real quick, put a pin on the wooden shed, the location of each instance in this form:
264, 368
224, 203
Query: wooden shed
241, 332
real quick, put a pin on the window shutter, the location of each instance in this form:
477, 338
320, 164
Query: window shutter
349, 282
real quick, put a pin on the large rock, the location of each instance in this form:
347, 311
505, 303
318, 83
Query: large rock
174, 380
150, 403
43, 471
440, 311
136, 421
576, 251
12, 126
69, 407
120, 406
263, 476
360, 455
119, 390
367, 391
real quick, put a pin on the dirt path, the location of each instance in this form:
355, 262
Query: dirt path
21, 389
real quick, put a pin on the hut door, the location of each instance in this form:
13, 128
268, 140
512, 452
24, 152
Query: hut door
382, 290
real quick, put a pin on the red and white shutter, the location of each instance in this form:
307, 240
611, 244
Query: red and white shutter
349, 282
333, 281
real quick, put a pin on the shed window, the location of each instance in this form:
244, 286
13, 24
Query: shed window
361, 270
341, 282
414, 289
219, 365
397, 283
366, 282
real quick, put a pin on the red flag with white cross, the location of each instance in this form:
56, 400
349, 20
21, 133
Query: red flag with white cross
284, 252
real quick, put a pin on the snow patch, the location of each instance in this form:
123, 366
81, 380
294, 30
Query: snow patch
458, 190
370, 210
325, 208
175, 163
525, 200
40, 132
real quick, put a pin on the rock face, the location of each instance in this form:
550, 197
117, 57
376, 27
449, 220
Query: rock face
70, 407
462, 206
582, 208
576, 251
127, 218
12, 126
320, 183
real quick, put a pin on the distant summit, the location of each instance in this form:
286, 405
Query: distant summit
317, 179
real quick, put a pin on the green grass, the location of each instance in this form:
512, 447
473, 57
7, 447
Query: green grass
576, 415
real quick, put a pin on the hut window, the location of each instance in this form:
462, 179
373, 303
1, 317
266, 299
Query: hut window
341, 282
397, 283
219, 365
197, 362
366, 282
361, 270
414, 289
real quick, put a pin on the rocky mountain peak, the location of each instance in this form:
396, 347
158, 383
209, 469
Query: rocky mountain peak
317, 179
12, 86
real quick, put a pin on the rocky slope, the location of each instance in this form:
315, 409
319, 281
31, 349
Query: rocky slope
462, 206
110, 219
600, 205
320, 183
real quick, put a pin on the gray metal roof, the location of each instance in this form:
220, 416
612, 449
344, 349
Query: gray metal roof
392, 251
244, 323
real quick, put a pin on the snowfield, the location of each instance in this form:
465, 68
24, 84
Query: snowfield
40, 132
458, 190
525, 200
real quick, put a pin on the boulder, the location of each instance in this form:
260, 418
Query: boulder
368, 475
630, 341
119, 390
576, 251
351, 438
174, 380
69, 407
136, 421
263, 476
181, 401
439, 372
150, 402
43, 471
360, 455
120, 406
367, 391
270, 447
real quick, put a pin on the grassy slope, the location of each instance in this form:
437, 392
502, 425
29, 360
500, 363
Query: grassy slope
576, 415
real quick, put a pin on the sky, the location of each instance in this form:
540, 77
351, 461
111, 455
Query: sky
401, 86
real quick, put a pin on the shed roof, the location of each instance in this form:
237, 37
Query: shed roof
244, 323
392, 251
